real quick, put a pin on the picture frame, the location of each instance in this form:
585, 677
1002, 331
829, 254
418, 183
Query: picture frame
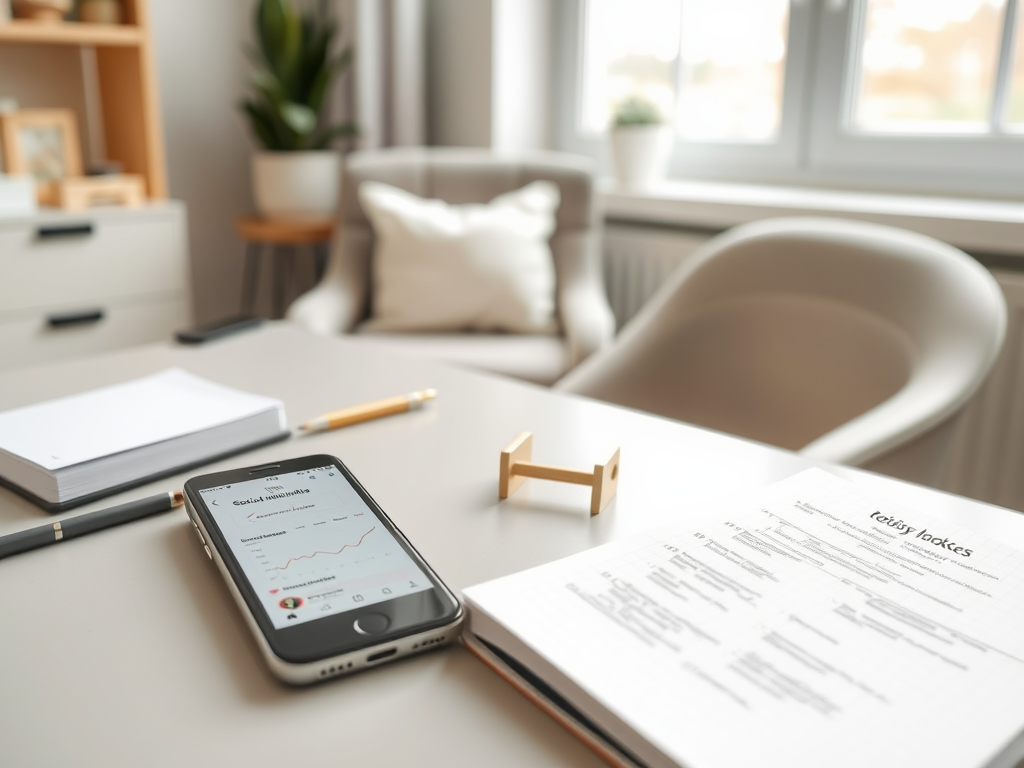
43, 144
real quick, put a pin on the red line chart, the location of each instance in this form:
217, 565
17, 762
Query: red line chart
323, 552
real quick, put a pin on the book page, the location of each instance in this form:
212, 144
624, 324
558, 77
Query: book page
102, 422
813, 626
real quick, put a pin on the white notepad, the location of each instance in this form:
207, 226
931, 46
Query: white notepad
811, 626
77, 446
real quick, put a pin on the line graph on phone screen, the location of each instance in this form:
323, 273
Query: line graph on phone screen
321, 539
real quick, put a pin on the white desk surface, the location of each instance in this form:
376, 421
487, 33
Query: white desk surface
123, 648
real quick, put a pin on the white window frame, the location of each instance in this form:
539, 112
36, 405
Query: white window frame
737, 160
977, 162
817, 141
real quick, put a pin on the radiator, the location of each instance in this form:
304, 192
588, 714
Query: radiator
987, 457
637, 260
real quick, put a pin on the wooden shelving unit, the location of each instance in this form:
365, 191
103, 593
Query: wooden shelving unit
69, 33
127, 85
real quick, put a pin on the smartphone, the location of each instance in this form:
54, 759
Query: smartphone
327, 583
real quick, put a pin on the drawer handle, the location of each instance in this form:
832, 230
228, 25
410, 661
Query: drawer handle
65, 230
75, 318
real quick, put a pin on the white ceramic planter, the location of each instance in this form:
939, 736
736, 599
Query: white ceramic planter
296, 186
641, 154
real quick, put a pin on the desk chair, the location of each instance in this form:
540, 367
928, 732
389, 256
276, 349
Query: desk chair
849, 342
341, 301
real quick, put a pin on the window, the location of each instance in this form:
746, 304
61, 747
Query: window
924, 95
731, 77
712, 79
928, 67
628, 48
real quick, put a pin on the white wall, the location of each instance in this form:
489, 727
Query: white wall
201, 74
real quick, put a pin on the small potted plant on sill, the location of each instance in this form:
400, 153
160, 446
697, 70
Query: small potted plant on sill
297, 175
641, 144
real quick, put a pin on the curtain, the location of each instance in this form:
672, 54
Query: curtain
384, 91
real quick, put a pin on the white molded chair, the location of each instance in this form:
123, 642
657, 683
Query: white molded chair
849, 342
341, 301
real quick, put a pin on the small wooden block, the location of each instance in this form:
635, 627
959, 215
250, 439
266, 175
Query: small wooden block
606, 483
519, 450
516, 467
78, 193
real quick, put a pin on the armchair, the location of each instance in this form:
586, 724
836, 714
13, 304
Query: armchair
342, 299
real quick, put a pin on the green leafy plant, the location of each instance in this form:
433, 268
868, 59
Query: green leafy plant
294, 69
637, 111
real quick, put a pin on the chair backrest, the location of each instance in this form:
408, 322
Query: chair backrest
460, 176
843, 340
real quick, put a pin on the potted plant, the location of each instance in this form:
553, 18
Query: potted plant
641, 143
297, 175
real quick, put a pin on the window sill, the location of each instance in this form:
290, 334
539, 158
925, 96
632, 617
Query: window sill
981, 226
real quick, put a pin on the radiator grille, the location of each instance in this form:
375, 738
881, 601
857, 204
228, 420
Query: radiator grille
636, 262
988, 455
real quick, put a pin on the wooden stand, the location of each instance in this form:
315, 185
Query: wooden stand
516, 467
280, 240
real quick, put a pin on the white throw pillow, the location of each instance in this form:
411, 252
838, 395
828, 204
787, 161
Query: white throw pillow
441, 267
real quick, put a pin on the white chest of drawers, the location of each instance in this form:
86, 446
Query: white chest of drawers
76, 284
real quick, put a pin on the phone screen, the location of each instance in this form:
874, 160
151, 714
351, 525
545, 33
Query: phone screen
310, 546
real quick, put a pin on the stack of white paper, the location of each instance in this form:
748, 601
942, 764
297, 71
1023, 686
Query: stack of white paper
80, 445
811, 626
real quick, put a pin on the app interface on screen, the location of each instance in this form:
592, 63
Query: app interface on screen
310, 546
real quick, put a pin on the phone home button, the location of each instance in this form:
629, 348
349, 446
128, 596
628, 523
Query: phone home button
372, 624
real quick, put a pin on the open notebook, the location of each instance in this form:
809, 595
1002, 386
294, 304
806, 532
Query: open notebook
68, 451
812, 626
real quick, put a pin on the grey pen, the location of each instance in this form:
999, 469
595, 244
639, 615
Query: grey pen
90, 522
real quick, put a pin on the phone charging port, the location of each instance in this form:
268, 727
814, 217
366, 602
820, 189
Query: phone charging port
381, 654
